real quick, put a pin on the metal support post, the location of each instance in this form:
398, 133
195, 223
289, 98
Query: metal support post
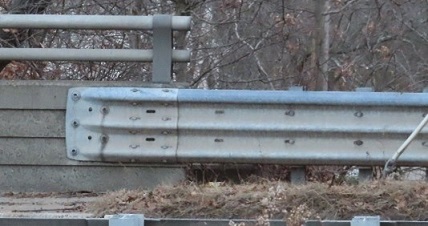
365, 174
365, 221
162, 49
298, 175
126, 220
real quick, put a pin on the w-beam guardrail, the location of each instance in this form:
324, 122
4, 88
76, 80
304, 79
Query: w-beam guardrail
241, 126
162, 55
139, 220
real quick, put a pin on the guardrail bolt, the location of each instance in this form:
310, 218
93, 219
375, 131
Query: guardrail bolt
134, 146
166, 118
165, 132
218, 140
425, 144
165, 90
359, 114
104, 139
424, 114
134, 90
75, 123
165, 146
290, 113
290, 141
105, 110
74, 151
219, 112
75, 96
358, 142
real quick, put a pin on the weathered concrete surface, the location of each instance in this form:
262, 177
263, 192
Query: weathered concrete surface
32, 123
84, 178
32, 144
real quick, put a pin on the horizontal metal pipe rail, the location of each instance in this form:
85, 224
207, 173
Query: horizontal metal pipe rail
92, 22
238, 126
107, 55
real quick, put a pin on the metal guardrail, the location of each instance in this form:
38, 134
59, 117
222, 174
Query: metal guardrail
162, 54
128, 222
239, 126
139, 220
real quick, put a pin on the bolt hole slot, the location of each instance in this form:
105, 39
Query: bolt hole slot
150, 139
290, 113
89, 137
289, 141
90, 109
358, 142
359, 114
150, 111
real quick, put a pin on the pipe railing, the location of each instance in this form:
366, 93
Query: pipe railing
162, 55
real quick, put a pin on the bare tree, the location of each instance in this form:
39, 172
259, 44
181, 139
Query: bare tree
15, 38
255, 44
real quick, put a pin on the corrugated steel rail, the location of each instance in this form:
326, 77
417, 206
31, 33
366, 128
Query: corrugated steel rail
239, 126
183, 222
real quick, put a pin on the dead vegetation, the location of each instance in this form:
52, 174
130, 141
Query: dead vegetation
392, 200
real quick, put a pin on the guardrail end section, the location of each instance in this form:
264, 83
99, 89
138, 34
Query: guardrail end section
126, 220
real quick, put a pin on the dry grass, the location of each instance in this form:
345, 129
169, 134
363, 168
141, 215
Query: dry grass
392, 200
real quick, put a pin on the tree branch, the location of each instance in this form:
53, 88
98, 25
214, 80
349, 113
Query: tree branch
13, 38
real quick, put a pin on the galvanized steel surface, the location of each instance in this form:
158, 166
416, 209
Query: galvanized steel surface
162, 54
162, 42
317, 98
52, 95
348, 223
288, 127
366, 221
107, 55
102, 22
182, 222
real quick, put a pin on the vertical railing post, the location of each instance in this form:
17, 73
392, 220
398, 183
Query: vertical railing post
162, 49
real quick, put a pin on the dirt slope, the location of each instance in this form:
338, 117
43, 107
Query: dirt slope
393, 200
